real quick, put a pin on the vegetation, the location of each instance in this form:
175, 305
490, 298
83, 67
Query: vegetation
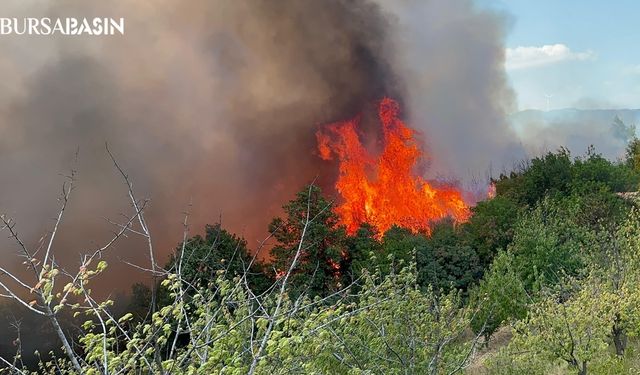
553, 258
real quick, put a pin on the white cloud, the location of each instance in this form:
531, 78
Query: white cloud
531, 56
633, 70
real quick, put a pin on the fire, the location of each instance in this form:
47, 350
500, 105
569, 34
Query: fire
491, 191
384, 190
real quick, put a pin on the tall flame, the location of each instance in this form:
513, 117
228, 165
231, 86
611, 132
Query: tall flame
385, 190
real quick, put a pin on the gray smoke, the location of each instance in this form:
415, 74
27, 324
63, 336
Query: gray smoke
450, 57
609, 130
217, 102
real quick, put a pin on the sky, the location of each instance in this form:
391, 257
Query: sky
573, 53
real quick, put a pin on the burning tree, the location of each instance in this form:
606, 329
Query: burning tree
227, 326
385, 190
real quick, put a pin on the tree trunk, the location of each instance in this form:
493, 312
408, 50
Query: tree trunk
620, 341
65, 342
583, 370
619, 337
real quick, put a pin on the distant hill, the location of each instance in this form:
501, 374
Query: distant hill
577, 129
602, 116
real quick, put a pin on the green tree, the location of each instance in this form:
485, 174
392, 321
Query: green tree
594, 169
140, 304
632, 157
548, 244
572, 329
393, 328
546, 175
363, 252
491, 227
621, 130
558, 174
598, 206
323, 243
217, 251
616, 265
500, 297
444, 260
398, 249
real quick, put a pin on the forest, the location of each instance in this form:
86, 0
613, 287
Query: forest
544, 277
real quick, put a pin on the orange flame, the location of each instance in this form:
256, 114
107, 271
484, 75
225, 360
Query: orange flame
394, 194
491, 191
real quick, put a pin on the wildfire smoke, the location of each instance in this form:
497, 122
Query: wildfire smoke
216, 103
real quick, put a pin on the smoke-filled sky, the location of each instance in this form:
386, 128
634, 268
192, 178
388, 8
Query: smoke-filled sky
215, 104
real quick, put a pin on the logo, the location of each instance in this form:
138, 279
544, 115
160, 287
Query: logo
62, 26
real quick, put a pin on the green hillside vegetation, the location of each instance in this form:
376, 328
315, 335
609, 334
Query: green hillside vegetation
552, 262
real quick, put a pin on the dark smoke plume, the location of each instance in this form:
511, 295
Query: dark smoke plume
217, 102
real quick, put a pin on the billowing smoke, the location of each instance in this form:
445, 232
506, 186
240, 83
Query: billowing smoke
609, 130
450, 57
217, 102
